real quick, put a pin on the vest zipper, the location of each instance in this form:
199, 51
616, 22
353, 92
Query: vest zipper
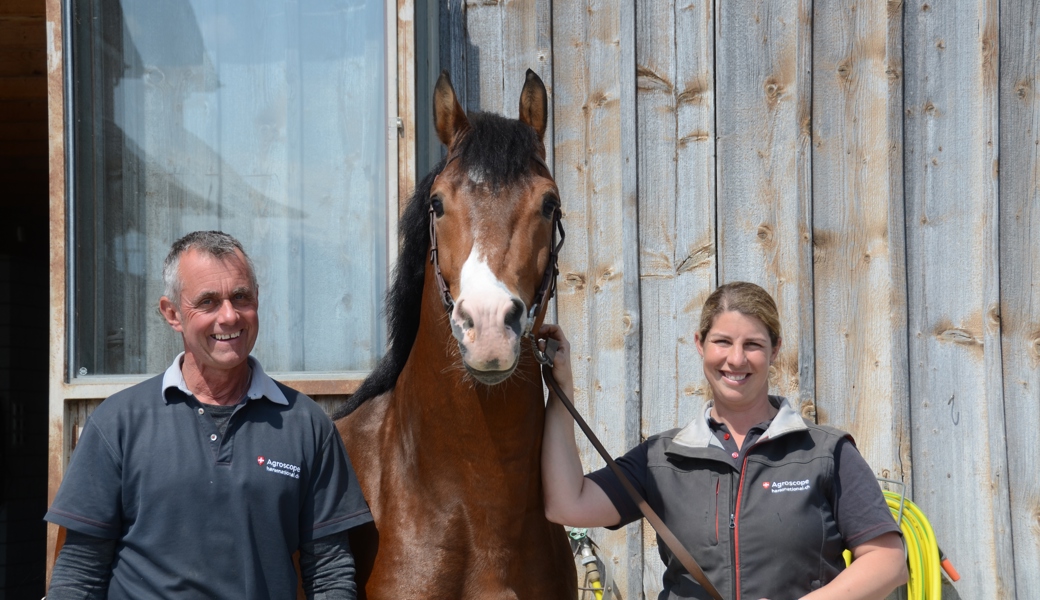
735, 523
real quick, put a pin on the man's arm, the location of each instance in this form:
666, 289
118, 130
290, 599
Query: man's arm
83, 568
327, 568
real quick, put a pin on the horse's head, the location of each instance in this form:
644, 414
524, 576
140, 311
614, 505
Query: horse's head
493, 208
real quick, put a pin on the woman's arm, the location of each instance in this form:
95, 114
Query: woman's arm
570, 498
878, 567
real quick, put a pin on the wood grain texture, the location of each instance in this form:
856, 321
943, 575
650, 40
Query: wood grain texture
762, 65
859, 286
1020, 277
957, 411
595, 302
676, 158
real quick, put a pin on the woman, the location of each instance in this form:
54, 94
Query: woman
764, 500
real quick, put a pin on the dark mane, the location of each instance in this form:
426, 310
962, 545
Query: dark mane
501, 149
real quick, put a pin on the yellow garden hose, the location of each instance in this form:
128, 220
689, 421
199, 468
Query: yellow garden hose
923, 557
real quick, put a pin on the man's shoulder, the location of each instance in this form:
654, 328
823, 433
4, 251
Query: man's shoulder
134, 396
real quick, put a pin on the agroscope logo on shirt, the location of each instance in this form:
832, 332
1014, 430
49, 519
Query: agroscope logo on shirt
778, 487
279, 467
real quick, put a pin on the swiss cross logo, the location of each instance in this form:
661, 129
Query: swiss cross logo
765, 485
260, 460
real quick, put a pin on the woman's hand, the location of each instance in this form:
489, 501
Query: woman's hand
561, 370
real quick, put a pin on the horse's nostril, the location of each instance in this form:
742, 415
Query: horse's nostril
467, 320
514, 315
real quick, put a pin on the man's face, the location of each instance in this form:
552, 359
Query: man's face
217, 312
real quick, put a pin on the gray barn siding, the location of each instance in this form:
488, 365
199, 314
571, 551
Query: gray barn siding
845, 156
1019, 231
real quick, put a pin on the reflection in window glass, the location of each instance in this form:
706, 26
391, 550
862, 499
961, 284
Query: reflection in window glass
266, 120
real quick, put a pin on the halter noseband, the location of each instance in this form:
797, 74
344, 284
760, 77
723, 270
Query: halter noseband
548, 285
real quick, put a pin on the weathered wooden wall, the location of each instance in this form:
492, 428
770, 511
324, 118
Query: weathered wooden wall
875, 165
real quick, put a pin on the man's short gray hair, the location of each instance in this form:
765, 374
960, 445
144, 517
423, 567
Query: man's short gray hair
214, 243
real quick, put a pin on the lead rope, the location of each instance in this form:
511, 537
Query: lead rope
669, 539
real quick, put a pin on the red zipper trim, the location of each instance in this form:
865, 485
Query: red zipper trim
718, 483
736, 516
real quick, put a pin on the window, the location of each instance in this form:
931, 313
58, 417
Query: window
267, 120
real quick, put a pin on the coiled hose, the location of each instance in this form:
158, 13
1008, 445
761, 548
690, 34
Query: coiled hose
924, 558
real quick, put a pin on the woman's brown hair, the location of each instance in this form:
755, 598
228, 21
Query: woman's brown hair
746, 298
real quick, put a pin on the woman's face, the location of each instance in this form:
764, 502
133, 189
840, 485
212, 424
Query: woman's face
737, 353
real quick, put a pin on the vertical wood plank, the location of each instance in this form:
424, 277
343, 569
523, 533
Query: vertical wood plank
858, 273
485, 77
676, 142
595, 300
526, 44
763, 61
959, 448
57, 429
1020, 277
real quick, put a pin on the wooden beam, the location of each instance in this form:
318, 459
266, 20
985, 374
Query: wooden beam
1020, 278
764, 182
953, 287
859, 255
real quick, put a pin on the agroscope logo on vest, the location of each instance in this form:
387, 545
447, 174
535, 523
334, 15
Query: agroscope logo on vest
778, 487
279, 467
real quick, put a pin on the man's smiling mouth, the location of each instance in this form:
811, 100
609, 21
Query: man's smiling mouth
223, 337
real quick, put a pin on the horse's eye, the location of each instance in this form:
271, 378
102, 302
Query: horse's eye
438, 206
550, 204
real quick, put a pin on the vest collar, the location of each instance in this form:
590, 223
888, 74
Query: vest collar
697, 434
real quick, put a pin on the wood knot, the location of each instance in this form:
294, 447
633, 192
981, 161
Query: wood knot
1022, 89
773, 91
960, 336
845, 70
574, 281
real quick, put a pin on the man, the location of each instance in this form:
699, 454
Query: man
203, 481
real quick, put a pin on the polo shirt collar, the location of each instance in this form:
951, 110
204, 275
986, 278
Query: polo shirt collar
260, 385
697, 434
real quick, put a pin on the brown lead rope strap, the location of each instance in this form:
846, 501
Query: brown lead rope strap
669, 539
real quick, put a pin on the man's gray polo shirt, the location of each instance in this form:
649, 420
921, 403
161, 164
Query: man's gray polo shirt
200, 515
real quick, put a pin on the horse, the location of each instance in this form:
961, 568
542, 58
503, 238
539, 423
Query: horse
445, 434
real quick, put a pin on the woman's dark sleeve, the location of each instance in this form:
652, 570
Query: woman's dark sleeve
859, 505
327, 568
83, 568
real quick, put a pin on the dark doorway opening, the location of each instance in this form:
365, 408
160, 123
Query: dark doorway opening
24, 298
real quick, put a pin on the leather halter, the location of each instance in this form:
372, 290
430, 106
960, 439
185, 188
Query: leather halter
548, 286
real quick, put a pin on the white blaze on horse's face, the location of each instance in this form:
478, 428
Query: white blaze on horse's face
487, 321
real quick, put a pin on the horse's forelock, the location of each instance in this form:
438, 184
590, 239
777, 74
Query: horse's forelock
498, 148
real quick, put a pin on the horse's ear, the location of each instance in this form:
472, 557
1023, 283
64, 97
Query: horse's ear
534, 104
447, 112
